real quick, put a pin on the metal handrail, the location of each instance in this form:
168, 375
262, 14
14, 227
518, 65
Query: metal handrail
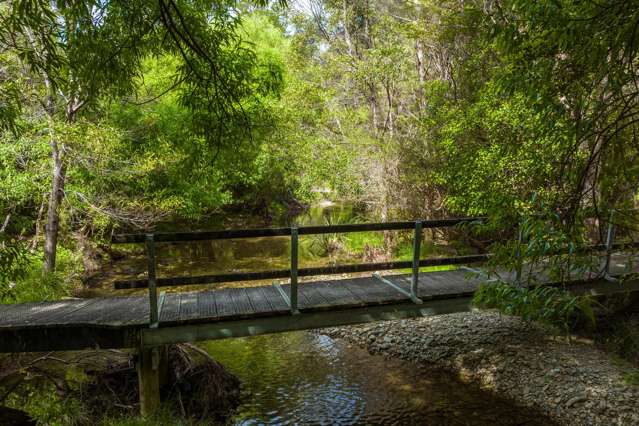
302, 230
294, 272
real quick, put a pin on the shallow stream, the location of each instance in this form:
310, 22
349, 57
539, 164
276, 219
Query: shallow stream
307, 377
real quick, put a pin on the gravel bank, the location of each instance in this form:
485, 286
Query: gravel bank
574, 383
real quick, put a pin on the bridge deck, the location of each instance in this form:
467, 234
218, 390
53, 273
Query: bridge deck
231, 303
121, 321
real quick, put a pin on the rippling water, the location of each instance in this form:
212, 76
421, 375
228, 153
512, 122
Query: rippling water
307, 378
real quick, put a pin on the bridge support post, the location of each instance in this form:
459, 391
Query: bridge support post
153, 295
152, 365
417, 240
610, 240
518, 253
294, 252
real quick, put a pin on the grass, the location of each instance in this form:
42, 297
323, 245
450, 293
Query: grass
632, 377
356, 241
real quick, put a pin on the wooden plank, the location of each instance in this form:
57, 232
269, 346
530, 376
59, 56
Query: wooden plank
206, 304
445, 283
224, 303
171, 308
373, 292
188, 306
63, 316
23, 312
96, 313
132, 310
312, 297
337, 294
7, 311
241, 301
274, 298
259, 300
33, 314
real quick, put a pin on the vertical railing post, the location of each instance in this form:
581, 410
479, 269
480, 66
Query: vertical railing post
610, 239
153, 297
417, 240
518, 254
294, 251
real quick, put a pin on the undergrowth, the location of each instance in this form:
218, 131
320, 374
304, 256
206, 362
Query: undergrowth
31, 285
550, 306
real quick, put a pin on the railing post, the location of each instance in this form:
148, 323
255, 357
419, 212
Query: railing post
518, 254
294, 250
610, 239
417, 241
153, 297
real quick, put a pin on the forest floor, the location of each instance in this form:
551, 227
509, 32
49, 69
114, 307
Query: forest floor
574, 382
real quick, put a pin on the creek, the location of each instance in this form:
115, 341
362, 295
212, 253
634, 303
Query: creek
307, 377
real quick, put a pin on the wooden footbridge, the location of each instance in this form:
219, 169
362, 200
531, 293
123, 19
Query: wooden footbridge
150, 323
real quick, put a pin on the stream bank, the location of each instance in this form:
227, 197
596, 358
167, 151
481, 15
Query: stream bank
573, 383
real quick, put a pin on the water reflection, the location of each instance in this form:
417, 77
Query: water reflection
305, 378
225, 256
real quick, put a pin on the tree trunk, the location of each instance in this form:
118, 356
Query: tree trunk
421, 72
38, 225
53, 213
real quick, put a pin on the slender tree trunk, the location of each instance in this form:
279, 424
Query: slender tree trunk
52, 226
390, 118
38, 225
53, 213
421, 72
5, 224
347, 34
53, 219
374, 105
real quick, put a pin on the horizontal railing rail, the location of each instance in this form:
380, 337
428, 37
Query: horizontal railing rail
302, 230
337, 269
301, 272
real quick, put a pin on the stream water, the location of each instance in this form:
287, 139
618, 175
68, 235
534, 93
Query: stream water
307, 377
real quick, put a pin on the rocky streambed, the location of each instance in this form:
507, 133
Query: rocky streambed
572, 382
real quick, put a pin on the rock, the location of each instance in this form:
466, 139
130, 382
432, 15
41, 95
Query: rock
572, 401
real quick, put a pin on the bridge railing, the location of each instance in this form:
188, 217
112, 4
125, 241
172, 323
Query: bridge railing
294, 272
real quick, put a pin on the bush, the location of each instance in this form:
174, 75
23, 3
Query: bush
29, 284
547, 305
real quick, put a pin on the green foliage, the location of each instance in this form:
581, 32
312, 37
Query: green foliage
547, 305
621, 337
25, 281
44, 404
632, 377
323, 245
14, 263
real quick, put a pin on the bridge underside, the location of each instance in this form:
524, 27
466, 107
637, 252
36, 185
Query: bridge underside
92, 337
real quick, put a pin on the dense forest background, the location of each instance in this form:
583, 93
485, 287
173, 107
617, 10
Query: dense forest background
121, 115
